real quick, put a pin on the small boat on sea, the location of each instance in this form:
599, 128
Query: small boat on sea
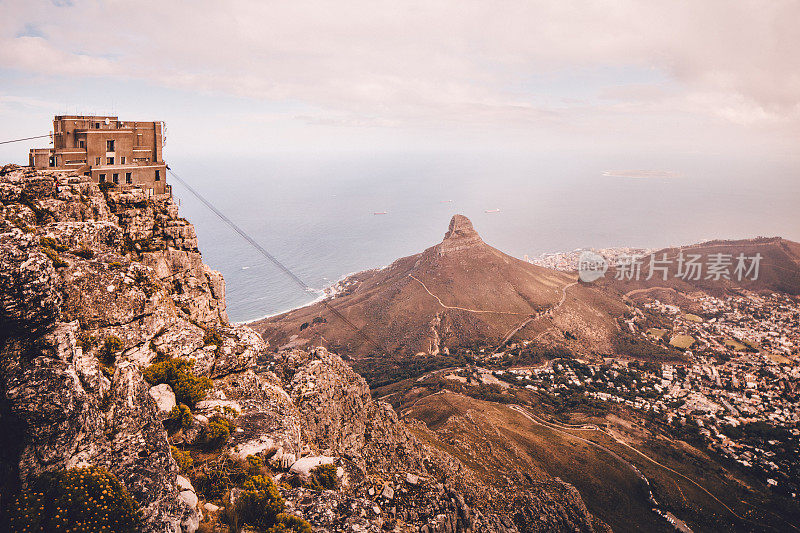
492, 211
446, 201
379, 213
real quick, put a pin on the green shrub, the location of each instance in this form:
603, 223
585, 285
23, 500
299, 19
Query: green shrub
41, 214
212, 338
54, 257
79, 499
218, 431
260, 503
323, 477
255, 464
286, 523
188, 388
84, 341
49, 242
181, 416
84, 252
112, 345
214, 478
184, 459
145, 282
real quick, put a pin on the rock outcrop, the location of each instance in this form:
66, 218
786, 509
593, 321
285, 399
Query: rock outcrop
96, 285
460, 236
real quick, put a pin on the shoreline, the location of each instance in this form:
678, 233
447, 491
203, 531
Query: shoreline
327, 292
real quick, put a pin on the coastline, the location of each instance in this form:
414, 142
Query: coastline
329, 292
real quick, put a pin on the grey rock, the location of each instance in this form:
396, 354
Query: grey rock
163, 396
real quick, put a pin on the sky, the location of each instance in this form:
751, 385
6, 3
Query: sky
245, 78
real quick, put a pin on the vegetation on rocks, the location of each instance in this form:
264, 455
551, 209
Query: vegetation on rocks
112, 345
218, 431
181, 416
182, 458
54, 257
188, 388
258, 505
323, 477
216, 477
145, 282
84, 251
49, 242
79, 499
285, 523
212, 338
41, 214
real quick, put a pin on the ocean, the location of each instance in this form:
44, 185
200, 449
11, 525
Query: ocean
316, 213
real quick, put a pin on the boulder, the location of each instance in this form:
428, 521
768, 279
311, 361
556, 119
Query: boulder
183, 484
189, 497
163, 396
303, 467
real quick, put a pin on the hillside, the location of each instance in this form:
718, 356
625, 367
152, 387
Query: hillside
778, 269
460, 293
117, 362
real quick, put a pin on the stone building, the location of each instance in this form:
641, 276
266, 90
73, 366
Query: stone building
108, 150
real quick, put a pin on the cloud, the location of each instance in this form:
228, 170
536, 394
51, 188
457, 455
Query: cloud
425, 64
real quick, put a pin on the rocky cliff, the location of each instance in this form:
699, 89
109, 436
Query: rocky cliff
100, 286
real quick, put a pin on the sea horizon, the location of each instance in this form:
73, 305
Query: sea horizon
317, 215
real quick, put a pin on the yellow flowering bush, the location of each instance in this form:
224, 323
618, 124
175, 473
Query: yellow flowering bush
78, 499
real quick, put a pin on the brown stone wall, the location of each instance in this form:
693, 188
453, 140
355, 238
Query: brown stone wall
144, 176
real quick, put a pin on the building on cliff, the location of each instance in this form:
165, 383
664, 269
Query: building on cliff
108, 150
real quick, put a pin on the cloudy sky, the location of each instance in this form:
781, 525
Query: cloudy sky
249, 77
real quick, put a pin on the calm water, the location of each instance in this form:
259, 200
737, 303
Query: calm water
315, 214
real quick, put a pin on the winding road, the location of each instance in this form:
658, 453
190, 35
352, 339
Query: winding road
537, 316
529, 318
461, 308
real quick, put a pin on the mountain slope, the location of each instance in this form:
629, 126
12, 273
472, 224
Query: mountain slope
459, 293
778, 268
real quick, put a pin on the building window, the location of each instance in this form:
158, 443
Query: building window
81, 144
102, 178
128, 179
96, 160
115, 177
109, 160
122, 160
158, 175
110, 145
97, 125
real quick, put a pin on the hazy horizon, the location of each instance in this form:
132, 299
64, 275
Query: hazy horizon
244, 78
316, 214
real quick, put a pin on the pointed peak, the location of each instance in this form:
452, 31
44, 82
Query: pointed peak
459, 225
460, 235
